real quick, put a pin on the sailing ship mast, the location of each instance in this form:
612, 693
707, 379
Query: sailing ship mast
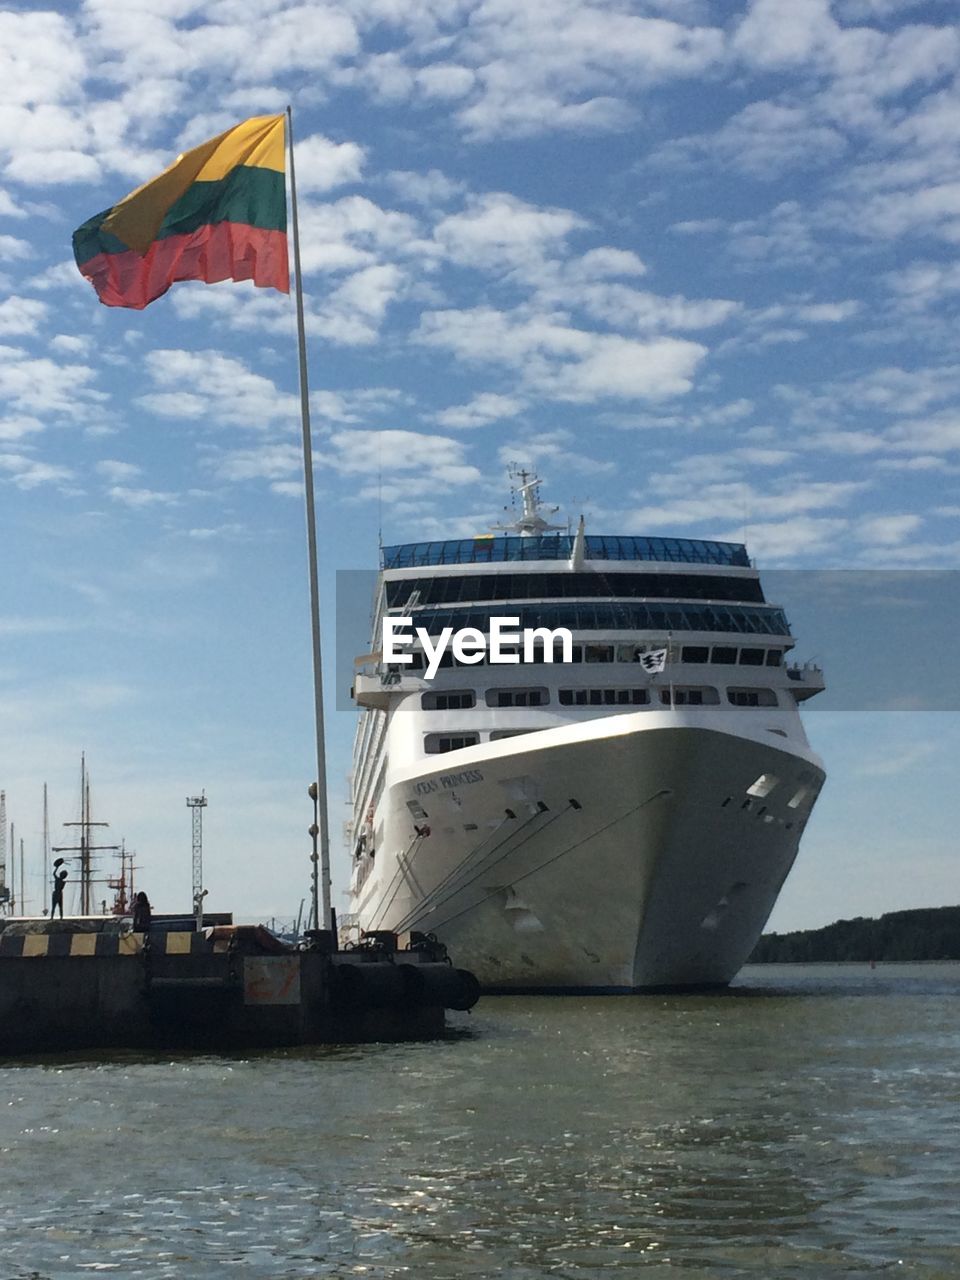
85, 848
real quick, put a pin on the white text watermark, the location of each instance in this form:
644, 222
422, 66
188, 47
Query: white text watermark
469, 645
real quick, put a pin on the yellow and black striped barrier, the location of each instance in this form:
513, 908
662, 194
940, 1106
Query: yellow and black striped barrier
105, 944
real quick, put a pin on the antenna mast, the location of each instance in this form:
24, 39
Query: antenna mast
531, 522
197, 804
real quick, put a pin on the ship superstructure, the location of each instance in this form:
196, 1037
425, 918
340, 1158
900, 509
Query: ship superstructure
619, 821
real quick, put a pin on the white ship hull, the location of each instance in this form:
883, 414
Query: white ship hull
620, 854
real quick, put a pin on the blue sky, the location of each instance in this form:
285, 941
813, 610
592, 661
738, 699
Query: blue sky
695, 262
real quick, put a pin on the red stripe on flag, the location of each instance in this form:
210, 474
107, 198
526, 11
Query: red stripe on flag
223, 251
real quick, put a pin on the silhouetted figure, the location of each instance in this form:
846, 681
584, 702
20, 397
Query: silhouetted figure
60, 874
141, 913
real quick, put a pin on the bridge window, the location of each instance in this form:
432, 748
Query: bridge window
448, 700
694, 653
723, 656
752, 697
752, 657
690, 696
517, 697
436, 744
604, 697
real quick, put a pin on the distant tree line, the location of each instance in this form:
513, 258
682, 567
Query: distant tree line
930, 933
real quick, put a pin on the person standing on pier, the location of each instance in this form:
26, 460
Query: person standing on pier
141, 913
60, 874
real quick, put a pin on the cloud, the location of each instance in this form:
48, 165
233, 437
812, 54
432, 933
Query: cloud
42, 387
323, 164
28, 473
445, 81
889, 389
40, 60
440, 459
353, 313
140, 498
278, 463
70, 343
791, 538
117, 471
500, 232
765, 140
887, 530
562, 362
21, 315
639, 310
902, 760
770, 36
8, 206
52, 167
923, 284
542, 448
932, 210
240, 43
571, 67
16, 427
625, 369
861, 60
939, 433
480, 411
691, 419
684, 502
429, 189
349, 313
216, 388
354, 232
13, 249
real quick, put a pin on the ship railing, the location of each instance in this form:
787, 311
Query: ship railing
372, 668
804, 671
807, 680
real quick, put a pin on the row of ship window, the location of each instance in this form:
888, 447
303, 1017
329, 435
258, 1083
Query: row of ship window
679, 695
715, 655
614, 615
560, 547
410, 593
439, 743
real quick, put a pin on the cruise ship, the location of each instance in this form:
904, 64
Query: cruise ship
620, 821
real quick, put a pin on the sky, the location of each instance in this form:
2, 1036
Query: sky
694, 262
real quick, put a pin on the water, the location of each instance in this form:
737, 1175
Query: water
806, 1125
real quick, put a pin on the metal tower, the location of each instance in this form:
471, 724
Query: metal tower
4, 891
198, 804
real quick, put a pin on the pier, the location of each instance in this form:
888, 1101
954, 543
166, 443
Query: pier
90, 982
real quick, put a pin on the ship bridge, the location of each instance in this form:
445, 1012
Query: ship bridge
494, 549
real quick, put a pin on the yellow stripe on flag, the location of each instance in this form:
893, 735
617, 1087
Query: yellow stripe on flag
136, 220
256, 144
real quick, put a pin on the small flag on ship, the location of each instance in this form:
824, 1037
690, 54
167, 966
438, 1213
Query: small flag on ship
654, 660
219, 212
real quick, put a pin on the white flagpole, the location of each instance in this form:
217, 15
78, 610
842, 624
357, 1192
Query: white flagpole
323, 921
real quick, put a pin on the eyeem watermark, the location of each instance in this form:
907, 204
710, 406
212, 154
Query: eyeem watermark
469, 645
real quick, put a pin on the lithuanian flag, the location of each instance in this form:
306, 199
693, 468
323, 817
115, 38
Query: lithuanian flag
218, 213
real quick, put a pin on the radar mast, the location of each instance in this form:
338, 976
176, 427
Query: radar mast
530, 522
